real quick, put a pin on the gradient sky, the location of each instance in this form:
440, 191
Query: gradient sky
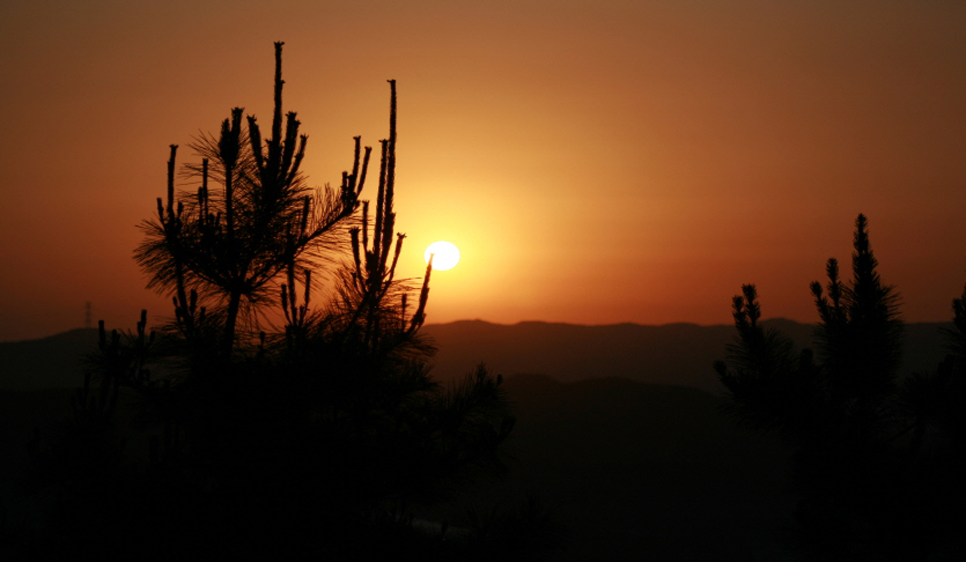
595, 161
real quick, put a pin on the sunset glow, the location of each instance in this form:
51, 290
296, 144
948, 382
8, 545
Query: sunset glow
602, 162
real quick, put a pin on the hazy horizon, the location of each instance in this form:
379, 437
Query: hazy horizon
429, 324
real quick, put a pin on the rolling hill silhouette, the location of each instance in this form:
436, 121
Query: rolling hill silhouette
676, 354
620, 432
46, 363
638, 471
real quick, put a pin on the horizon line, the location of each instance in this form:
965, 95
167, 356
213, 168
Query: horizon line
546, 322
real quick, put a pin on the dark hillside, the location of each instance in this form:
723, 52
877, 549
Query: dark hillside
645, 472
51, 362
676, 354
24, 414
635, 470
673, 354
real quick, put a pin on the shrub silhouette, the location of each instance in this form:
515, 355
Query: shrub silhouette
878, 459
255, 425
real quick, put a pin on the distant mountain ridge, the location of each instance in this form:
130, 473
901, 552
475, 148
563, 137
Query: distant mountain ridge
677, 354
47, 363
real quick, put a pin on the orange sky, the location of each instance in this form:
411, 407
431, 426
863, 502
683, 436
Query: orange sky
595, 161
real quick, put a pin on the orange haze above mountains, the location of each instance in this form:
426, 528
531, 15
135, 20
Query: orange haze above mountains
595, 162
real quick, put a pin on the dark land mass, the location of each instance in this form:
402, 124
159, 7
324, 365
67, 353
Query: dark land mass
620, 435
622, 470
53, 362
675, 354
634, 471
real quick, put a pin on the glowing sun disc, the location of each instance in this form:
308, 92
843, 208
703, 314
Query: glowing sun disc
446, 255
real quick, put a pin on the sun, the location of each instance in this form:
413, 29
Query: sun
445, 255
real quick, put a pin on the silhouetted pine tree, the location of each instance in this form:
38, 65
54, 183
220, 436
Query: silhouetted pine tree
231, 247
878, 460
255, 440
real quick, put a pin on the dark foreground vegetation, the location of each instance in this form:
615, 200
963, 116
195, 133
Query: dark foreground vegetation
596, 468
879, 458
